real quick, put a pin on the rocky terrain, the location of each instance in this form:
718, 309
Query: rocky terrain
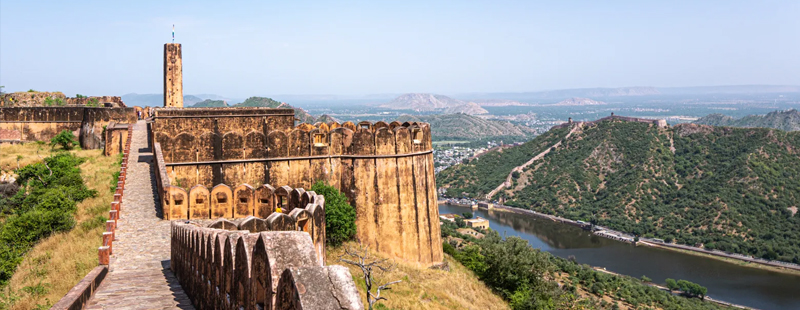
784, 120
467, 127
577, 101
431, 102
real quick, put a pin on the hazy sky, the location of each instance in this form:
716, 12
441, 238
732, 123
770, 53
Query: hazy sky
240, 49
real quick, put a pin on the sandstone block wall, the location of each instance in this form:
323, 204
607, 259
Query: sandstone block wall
116, 138
385, 170
37, 99
28, 124
239, 269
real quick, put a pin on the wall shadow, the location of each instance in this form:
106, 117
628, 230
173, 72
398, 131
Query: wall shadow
178, 294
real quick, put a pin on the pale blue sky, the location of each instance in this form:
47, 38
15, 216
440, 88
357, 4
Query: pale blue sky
239, 49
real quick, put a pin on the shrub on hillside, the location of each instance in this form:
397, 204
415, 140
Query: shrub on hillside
65, 138
340, 216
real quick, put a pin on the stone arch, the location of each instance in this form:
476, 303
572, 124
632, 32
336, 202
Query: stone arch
223, 224
301, 288
285, 249
255, 145
243, 201
379, 125
184, 148
264, 201
333, 125
277, 144
280, 222
204, 146
305, 127
177, 203
221, 205
199, 202
261, 276
228, 265
253, 224
232, 146
306, 198
395, 124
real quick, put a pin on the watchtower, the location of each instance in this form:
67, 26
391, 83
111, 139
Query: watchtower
173, 76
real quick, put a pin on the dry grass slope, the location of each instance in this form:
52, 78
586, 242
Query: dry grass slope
58, 262
424, 288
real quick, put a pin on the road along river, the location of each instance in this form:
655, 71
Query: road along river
725, 281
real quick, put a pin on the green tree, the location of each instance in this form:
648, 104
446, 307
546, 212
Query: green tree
340, 216
672, 285
66, 139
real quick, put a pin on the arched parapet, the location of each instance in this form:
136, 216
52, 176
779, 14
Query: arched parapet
395, 124
255, 145
253, 224
280, 222
316, 287
241, 283
384, 141
364, 126
322, 127
403, 142
333, 125
283, 197
221, 205
232, 145
363, 142
223, 224
183, 147
379, 125
302, 220
349, 125
176, 206
341, 141
264, 201
294, 199
305, 127
320, 140
228, 266
199, 202
299, 144
317, 213
243, 201
307, 197
285, 249
427, 141
407, 124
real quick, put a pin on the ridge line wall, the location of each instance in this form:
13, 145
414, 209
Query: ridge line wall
28, 124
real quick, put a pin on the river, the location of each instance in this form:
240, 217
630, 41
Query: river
725, 281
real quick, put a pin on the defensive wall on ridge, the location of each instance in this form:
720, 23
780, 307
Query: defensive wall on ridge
27, 124
38, 99
385, 170
657, 122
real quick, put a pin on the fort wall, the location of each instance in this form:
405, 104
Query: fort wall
385, 170
657, 122
28, 124
241, 269
38, 99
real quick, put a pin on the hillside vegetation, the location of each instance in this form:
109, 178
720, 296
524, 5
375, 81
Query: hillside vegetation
723, 188
784, 120
467, 127
208, 103
300, 114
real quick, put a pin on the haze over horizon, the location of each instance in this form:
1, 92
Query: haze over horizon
240, 49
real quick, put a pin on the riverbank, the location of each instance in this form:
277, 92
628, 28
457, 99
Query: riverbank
605, 232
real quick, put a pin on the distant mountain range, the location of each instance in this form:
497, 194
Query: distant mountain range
783, 120
157, 100
431, 102
561, 94
467, 127
578, 102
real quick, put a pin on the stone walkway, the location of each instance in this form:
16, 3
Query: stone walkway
139, 275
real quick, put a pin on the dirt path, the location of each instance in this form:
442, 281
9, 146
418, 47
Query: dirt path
139, 275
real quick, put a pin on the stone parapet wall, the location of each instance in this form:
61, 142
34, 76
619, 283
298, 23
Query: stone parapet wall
657, 122
38, 99
28, 124
239, 269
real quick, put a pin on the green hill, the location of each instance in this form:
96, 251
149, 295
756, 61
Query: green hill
467, 127
784, 120
732, 189
208, 103
299, 113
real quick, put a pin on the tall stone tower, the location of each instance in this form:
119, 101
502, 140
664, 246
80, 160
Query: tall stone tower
173, 76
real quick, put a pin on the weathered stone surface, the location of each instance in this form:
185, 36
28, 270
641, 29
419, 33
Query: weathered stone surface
173, 75
316, 287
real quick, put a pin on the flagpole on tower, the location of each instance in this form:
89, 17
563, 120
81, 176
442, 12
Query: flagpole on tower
173, 33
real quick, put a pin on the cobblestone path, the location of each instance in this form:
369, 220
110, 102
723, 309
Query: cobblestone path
139, 275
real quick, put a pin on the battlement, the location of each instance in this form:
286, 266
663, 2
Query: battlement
28, 124
660, 123
42, 99
242, 269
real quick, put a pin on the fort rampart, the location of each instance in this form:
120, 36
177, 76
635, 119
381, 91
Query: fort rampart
656, 122
27, 124
40, 99
385, 170
242, 269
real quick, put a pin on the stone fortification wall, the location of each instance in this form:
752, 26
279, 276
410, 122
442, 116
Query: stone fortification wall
37, 99
226, 268
385, 170
657, 122
27, 124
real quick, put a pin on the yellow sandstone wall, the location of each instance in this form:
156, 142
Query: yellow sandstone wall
173, 75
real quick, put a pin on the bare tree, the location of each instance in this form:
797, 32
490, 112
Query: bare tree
361, 258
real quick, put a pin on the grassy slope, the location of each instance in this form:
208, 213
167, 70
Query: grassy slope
58, 262
467, 127
424, 288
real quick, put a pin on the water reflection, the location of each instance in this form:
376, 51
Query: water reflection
742, 285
